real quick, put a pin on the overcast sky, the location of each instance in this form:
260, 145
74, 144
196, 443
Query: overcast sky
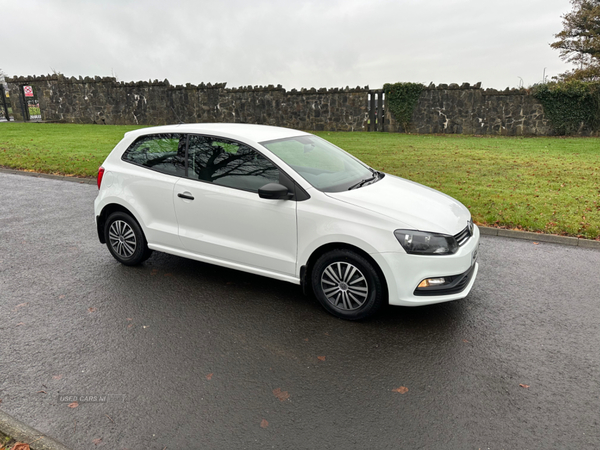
295, 43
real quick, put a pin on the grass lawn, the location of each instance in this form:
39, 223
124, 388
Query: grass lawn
550, 185
66, 149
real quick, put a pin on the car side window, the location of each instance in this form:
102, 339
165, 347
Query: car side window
229, 163
161, 152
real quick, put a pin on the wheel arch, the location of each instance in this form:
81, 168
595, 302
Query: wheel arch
105, 213
306, 270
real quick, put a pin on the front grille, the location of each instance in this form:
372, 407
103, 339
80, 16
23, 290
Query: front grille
463, 236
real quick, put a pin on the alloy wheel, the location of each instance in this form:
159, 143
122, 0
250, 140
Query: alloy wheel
122, 238
344, 286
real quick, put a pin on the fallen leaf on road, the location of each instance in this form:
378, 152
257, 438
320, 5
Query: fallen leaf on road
20, 446
401, 390
209, 376
97, 441
524, 386
61, 297
321, 358
536, 243
465, 341
73, 405
264, 423
281, 395
91, 309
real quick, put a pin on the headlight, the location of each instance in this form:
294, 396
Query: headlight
423, 243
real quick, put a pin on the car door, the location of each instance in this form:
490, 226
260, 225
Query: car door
222, 218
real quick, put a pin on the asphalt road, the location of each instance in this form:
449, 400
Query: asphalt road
196, 356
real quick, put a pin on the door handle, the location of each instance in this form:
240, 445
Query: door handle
185, 195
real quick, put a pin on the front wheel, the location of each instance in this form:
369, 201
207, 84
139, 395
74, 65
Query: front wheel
125, 239
347, 285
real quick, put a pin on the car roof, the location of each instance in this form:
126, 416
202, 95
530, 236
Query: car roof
238, 131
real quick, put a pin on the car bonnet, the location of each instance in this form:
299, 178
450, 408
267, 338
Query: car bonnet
411, 204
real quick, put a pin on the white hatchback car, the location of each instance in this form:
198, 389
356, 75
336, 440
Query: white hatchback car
289, 205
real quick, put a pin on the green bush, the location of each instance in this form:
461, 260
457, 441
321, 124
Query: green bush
401, 99
570, 105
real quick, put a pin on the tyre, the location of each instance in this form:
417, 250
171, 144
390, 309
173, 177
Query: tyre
347, 285
125, 239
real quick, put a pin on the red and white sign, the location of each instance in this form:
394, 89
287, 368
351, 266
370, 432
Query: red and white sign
28, 90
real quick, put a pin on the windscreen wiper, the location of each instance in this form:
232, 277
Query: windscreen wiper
375, 177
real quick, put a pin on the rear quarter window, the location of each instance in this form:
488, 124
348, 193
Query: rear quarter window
161, 152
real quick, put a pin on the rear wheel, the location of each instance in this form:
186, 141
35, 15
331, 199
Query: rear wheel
125, 239
347, 285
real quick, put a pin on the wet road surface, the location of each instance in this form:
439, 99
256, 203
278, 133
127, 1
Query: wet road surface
190, 355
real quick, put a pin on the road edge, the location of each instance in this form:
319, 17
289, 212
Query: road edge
539, 237
24, 433
80, 180
486, 231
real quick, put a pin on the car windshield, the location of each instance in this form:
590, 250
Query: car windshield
325, 166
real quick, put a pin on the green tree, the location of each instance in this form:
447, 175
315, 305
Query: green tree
579, 41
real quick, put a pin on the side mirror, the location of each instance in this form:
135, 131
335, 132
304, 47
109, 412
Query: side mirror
273, 191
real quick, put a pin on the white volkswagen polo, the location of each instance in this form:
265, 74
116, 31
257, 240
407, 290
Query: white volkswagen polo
289, 205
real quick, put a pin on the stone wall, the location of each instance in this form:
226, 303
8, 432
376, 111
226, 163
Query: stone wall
444, 108
106, 101
471, 110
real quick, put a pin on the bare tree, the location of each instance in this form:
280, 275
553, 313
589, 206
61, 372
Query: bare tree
3, 78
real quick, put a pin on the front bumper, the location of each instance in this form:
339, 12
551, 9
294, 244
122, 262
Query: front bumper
404, 272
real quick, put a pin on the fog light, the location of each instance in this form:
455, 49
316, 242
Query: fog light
432, 282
